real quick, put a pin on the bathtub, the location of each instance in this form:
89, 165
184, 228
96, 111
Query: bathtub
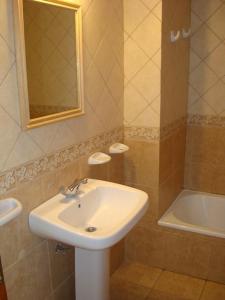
196, 212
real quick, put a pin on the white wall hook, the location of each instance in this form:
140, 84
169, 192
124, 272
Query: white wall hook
185, 33
174, 36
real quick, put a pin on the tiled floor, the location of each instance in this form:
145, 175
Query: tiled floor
137, 282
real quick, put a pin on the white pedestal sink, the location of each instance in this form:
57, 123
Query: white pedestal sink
94, 220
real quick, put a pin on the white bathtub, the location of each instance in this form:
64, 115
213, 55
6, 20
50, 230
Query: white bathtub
197, 212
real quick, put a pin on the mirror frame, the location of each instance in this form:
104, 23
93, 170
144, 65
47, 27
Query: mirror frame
26, 121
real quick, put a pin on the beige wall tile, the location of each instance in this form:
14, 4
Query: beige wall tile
61, 265
200, 177
217, 262
178, 148
207, 42
65, 290
169, 190
151, 216
187, 255
146, 246
218, 186
117, 256
175, 62
116, 168
166, 159
141, 163
17, 232
141, 18
22, 278
204, 159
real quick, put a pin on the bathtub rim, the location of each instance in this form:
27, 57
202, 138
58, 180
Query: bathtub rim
170, 221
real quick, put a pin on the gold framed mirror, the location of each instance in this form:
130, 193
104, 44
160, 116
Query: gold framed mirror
48, 37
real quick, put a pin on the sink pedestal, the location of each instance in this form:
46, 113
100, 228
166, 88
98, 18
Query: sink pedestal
92, 274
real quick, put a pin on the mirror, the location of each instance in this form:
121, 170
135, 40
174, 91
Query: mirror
49, 61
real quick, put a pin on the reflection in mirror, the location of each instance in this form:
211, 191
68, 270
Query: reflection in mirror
52, 60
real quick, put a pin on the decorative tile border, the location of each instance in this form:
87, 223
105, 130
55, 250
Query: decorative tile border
29, 171
209, 120
169, 129
153, 133
142, 133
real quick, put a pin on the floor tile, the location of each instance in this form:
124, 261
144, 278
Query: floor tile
124, 290
138, 274
213, 291
172, 286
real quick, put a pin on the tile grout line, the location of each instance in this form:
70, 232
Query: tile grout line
202, 291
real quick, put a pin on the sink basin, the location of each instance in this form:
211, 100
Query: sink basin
94, 220
108, 208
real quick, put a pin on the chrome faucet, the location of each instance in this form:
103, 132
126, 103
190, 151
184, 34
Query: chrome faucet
73, 187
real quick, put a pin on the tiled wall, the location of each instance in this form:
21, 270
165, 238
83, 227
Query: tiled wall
155, 163
177, 251
31, 267
207, 71
158, 163
103, 77
142, 62
153, 66
173, 114
205, 139
33, 164
142, 95
175, 62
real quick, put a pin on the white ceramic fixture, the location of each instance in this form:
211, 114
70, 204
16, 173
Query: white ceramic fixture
9, 209
197, 212
97, 218
118, 148
98, 158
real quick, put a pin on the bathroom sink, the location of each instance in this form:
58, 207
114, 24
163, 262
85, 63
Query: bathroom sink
97, 218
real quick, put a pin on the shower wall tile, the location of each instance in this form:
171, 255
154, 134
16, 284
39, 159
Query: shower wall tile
207, 63
205, 159
175, 62
171, 167
173, 112
61, 266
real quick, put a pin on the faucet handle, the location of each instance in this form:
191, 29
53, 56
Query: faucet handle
76, 184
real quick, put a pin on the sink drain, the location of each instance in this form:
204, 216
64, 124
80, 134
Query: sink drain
91, 229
